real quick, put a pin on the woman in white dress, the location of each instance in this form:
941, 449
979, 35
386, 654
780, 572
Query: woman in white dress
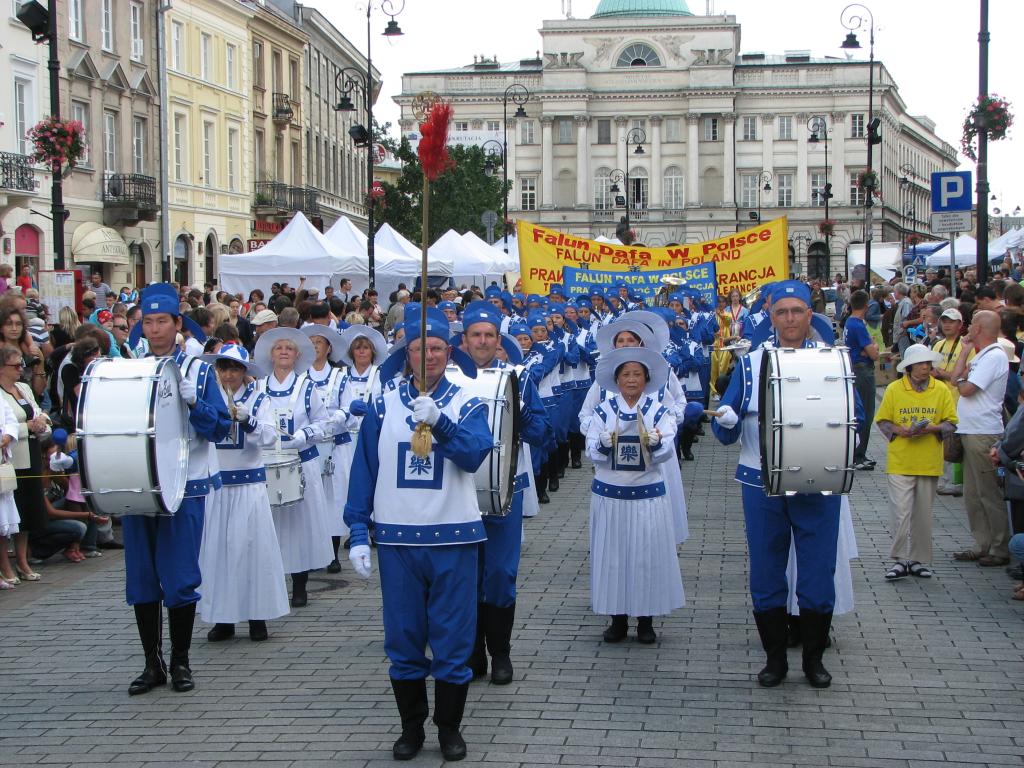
634, 569
240, 558
330, 383
9, 519
303, 527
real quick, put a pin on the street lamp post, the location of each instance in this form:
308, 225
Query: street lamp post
518, 94
907, 172
853, 18
615, 175
764, 182
636, 137
819, 129
349, 79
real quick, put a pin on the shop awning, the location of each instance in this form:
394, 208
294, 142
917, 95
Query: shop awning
93, 242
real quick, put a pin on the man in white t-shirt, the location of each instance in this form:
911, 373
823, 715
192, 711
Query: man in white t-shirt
982, 385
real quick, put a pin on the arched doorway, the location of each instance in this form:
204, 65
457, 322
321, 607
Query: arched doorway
210, 252
182, 257
27, 247
817, 261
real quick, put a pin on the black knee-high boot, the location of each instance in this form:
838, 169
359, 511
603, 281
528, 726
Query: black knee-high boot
576, 446
478, 659
541, 480
686, 443
180, 621
449, 706
413, 708
552, 471
299, 597
498, 626
148, 619
814, 628
771, 626
334, 566
563, 458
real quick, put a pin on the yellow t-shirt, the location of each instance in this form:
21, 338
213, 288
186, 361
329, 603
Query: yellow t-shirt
903, 405
950, 351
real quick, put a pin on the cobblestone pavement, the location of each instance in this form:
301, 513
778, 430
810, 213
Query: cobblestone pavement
926, 672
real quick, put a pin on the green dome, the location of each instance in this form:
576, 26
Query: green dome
610, 8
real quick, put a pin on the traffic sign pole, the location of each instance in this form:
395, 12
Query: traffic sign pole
952, 264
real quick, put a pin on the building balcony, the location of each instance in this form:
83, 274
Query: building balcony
17, 179
282, 109
129, 198
305, 199
275, 198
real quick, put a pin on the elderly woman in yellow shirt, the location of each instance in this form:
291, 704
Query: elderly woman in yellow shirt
917, 411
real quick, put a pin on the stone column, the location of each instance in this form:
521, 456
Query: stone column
692, 158
656, 170
582, 162
547, 194
729, 160
838, 173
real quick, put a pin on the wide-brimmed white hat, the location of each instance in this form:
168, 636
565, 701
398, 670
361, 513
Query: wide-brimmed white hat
261, 355
332, 335
234, 353
646, 325
918, 353
1010, 349
375, 337
649, 358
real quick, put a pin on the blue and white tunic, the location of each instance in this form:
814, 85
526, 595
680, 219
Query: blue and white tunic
365, 386
330, 383
634, 568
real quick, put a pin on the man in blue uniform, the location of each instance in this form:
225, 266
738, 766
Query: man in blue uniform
499, 561
162, 553
427, 526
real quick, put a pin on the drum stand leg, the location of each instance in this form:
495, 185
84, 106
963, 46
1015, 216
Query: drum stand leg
181, 621
148, 618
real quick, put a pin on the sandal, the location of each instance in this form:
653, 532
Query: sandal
967, 556
921, 571
898, 571
1018, 592
28, 576
991, 561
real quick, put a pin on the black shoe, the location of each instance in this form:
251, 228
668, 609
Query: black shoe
645, 630
1016, 572
181, 675
688, 455
299, 597
220, 632
411, 698
180, 621
577, 463
498, 625
449, 705
257, 631
111, 545
553, 483
771, 626
153, 676
814, 627
792, 631
561, 473
618, 629
148, 619
334, 566
543, 498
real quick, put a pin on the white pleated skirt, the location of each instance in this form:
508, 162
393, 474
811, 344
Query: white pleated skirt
336, 491
303, 528
673, 480
243, 577
10, 520
530, 504
846, 550
634, 568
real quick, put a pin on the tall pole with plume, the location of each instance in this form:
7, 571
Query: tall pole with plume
434, 160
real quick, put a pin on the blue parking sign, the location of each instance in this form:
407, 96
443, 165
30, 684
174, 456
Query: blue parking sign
951, 191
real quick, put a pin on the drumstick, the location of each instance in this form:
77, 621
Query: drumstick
708, 412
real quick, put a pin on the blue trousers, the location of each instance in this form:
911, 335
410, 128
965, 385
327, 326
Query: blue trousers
429, 596
499, 556
812, 521
578, 396
161, 555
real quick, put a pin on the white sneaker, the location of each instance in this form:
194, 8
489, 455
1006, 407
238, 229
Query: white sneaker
950, 490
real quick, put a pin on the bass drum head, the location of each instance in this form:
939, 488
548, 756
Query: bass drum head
765, 417
508, 457
169, 415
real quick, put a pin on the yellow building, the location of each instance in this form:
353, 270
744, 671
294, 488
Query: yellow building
209, 96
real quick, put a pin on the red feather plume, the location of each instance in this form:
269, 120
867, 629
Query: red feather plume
433, 147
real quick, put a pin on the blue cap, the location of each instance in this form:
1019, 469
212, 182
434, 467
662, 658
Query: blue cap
437, 323
519, 328
533, 298
677, 296
556, 289
160, 298
520, 296
535, 319
448, 305
583, 301
481, 312
621, 284
492, 290
554, 308
506, 300
791, 289
60, 437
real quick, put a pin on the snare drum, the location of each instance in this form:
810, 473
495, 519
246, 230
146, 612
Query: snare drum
808, 422
133, 436
498, 388
285, 481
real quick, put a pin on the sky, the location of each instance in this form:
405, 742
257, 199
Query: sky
929, 46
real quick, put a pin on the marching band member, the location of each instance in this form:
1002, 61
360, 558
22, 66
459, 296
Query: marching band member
634, 568
427, 527
330, 382
582, 373
542, 362
564, 336
303, 528
240, 559
810, 520
162, 553
499, 557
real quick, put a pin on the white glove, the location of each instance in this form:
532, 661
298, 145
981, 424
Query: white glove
606, 439
653, 439
359, 556
300, 441
425, 410
727, 417
187, 390
242, 413
60, 462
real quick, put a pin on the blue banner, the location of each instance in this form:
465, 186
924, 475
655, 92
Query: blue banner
646, 284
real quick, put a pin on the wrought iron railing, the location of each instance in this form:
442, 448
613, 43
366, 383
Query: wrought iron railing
129, 189
16, 172
282, 107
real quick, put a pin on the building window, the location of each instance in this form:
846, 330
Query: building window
259, 149
638, 55
80, 112
857, 125
109, 141
205, 44
638, 190
784, 189
22, 114
493, 126
603, 200
257, 64
233, 159
296, 165
604, 131
461, 126
710, 129
564, 135
229, 66
107, 25
673, 188
180, 148
138, 46
749, 129
177, 45
138, 145
857, 197
527, 132
749, 188
528, 199
785, 128
294, 79
208, 149
75, 19
673, 129
818, 188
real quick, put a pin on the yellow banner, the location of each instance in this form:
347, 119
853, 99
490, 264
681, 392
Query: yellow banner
744, 260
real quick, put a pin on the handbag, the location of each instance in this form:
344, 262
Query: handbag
8, 477
953, 448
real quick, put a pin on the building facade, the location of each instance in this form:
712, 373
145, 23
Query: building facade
650, 108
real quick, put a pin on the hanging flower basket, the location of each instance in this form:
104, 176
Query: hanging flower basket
867, 181
914, 239
991, 114
57, 142
827, 227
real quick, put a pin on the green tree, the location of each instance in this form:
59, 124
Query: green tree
457, 198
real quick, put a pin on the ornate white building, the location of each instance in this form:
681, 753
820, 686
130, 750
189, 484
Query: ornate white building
647, 105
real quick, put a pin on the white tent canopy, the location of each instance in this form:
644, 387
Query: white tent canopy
390, 238
299, 250
390, 267
1012, 239
495, 257
966, 248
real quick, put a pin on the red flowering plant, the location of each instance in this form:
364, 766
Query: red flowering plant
914, 239
990, 114
57, 142
827, 227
